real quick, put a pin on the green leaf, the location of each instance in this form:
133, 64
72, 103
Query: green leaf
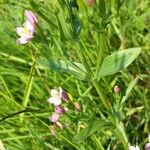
118, 61
74, 68
91, 129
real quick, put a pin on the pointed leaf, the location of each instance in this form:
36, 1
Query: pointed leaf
74, 68
118, 61
91, 129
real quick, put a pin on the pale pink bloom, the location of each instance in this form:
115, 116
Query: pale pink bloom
90, 2
134, 148
55, 97
147, 146
59, 110
31, 17
25, 32
54, 118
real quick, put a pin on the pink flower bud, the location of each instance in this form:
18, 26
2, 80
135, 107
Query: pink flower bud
78, 106
31, 17
54, 118
59, 110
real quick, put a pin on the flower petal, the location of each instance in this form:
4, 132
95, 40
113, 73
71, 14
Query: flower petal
54, 100
31, 17
24, 40
29, 27
54, 118
54, 92
22, 31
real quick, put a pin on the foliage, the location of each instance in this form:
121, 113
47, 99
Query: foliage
87, 50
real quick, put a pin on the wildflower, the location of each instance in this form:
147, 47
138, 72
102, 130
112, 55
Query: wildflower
134, 148
90, 2
26, 32
31, 17
59, 110
54, 118
56, 97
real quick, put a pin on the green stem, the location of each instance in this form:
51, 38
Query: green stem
29, 85
121, 134
102, 96
101, 48
98, 143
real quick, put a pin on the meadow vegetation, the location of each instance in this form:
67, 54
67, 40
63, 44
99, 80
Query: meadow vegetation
98, 53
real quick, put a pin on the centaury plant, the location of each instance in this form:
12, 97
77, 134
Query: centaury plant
65, 83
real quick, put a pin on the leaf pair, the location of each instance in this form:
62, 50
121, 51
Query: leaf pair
111, 64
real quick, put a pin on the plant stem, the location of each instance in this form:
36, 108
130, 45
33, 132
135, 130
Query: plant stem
29, 85
98, 143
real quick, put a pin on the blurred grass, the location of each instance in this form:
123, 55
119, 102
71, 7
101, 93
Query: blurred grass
129, 27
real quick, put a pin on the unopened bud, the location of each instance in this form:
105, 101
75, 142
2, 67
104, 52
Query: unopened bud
117, 89
78, 106
59, 110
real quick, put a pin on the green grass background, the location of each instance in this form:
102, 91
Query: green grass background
127, 26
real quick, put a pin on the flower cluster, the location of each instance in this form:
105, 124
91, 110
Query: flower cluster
57, 98
26, 32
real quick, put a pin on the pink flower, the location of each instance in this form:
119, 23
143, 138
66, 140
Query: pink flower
54, 118
26, 32
147, 146
55, 97
31, 17
59, 110
134, 148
